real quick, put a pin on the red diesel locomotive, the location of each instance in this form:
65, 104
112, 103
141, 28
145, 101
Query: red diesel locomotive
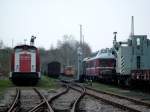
101, 67
25, 65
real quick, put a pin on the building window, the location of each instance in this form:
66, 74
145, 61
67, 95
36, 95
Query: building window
138, 62
138, 41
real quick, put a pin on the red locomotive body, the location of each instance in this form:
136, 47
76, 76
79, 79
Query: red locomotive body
25, 64
102, 66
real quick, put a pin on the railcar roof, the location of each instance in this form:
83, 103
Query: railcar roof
105, 56
102, 54
25, 46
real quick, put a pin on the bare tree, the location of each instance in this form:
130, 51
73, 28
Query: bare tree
65, 52
1, 44
5, 59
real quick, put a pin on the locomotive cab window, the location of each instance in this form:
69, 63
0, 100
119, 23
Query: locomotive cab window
104, 63
18, 50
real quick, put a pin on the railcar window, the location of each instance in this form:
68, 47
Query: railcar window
18, 50
33, 51
30, 50
105, 63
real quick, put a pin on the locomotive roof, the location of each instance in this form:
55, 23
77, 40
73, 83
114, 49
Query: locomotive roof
105, 54
102, 54
25, 46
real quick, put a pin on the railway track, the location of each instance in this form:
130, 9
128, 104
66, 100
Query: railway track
47, 102
29, 98
26, 99
15, 107
124, 103
72, 96
84, 95
76, 104
66, 101
45, 107
88, 103
72, 104
91, 104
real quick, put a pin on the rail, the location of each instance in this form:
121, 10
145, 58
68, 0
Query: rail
47, 102
123, 97
76, 103
49, 108
16, 102
96, 94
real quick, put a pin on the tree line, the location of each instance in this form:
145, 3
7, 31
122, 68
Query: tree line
65, 52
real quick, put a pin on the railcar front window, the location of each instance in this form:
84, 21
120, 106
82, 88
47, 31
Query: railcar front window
18, 50
106, 63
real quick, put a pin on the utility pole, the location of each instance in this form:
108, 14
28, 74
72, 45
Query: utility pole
79, 52
80, 35
83, 47
132, 26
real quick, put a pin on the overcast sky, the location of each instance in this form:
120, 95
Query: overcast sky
49, 20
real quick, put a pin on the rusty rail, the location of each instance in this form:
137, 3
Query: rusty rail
116, 104
49, 108
43, 105
76, 103
16, 102
123, 97
47, 102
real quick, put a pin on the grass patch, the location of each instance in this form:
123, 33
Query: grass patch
104, 87
116, 90
4, 84
47, 82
